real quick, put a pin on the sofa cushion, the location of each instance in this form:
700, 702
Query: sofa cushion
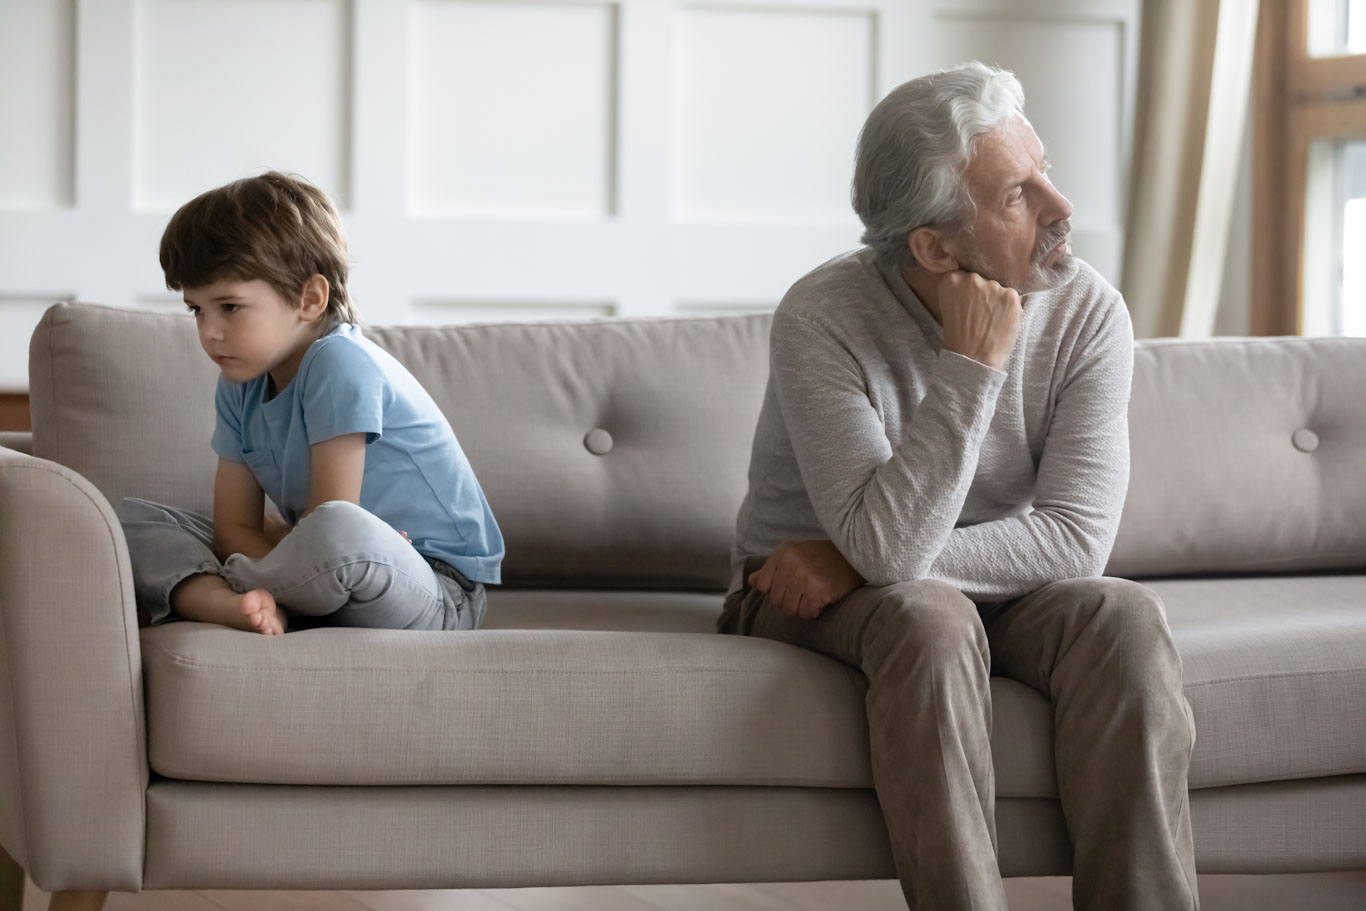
612, 453
1273, 670
1246, 455
344, 706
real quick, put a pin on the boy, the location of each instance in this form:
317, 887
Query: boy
382, 523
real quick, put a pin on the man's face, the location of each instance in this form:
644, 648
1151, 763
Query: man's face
1019, 232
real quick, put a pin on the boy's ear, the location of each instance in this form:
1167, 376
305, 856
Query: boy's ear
313, 302
930, 250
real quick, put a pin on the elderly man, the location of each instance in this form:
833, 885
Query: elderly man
936, 481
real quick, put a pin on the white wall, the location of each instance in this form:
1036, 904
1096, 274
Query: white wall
508, 160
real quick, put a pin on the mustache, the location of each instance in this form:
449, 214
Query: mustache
1057, 232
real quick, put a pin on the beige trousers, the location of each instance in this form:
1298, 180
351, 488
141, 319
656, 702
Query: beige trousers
1098, 648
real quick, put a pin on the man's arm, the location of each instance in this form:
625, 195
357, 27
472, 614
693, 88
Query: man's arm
1082, 480
889, 510
238, 512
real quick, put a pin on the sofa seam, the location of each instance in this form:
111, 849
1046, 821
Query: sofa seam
1287, 674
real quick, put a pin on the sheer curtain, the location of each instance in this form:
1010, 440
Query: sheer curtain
1195, 71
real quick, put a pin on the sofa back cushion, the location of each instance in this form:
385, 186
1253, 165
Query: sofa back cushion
1248, 455
613, 454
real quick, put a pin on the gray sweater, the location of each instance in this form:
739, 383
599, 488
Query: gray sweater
925, 464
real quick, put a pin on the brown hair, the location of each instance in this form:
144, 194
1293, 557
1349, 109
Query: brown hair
276, 228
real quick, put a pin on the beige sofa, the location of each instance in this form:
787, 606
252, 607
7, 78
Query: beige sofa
598, 731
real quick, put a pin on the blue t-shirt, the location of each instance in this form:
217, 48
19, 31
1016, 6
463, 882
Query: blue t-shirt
416, 475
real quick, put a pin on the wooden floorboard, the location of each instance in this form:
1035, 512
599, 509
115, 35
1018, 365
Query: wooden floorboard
1299, 892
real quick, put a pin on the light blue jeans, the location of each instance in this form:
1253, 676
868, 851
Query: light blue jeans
340, 566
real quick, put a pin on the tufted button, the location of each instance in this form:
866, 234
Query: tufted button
598, 441
1305, 440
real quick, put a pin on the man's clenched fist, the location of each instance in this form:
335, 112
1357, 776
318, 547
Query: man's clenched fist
804, 577
981, 318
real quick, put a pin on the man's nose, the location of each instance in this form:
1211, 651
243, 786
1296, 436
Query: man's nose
1057, 207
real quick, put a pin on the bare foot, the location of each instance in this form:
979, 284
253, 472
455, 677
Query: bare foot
258, 607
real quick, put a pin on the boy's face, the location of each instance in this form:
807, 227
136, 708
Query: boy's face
248, 329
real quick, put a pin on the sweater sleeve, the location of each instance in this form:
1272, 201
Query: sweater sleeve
1079, 492
888, 508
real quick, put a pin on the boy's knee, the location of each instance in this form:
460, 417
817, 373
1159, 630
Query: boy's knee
342, 517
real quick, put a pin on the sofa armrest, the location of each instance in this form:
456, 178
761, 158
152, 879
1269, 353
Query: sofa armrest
73, 754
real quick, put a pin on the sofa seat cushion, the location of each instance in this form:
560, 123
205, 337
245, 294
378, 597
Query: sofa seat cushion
347, 706
632, 688
585, 705
1275, 671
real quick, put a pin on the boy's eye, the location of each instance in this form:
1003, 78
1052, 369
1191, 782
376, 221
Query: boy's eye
229, 308
192, 309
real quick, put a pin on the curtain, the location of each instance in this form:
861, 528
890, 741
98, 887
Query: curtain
1194, 77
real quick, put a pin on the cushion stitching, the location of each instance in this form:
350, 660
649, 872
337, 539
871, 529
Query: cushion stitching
1287, 674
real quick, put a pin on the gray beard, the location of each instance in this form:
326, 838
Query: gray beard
1040, 278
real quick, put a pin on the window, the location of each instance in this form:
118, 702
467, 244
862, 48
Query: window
1309, 232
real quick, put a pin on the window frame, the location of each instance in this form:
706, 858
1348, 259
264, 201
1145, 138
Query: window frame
1299, 100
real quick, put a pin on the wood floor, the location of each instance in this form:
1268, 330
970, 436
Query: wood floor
1302, 892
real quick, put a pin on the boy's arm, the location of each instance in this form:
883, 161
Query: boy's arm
336, 468
238, 512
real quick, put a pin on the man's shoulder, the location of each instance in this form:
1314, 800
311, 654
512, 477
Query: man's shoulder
847, 279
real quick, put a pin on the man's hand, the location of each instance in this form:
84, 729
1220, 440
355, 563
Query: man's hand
803, 577
981, 318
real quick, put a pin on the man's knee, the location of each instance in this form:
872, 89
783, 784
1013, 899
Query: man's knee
923, 618
1120, 608
1129, 641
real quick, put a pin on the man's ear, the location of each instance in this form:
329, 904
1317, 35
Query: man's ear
313, 303
930, 252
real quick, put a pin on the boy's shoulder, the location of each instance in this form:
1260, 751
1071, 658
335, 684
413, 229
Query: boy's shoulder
344, 349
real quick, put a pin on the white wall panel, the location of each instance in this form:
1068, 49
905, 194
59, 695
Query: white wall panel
19, 316
225, 88
511, 159
501, 311
767, 103
37, 103
512, 109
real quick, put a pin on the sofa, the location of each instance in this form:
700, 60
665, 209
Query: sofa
598, 730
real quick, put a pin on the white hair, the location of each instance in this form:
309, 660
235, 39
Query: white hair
914, 147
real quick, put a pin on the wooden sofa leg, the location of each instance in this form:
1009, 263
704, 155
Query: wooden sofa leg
77, 900
11, 883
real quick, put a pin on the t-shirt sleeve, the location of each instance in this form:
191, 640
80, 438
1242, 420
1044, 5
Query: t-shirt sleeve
227, 430
344, 391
